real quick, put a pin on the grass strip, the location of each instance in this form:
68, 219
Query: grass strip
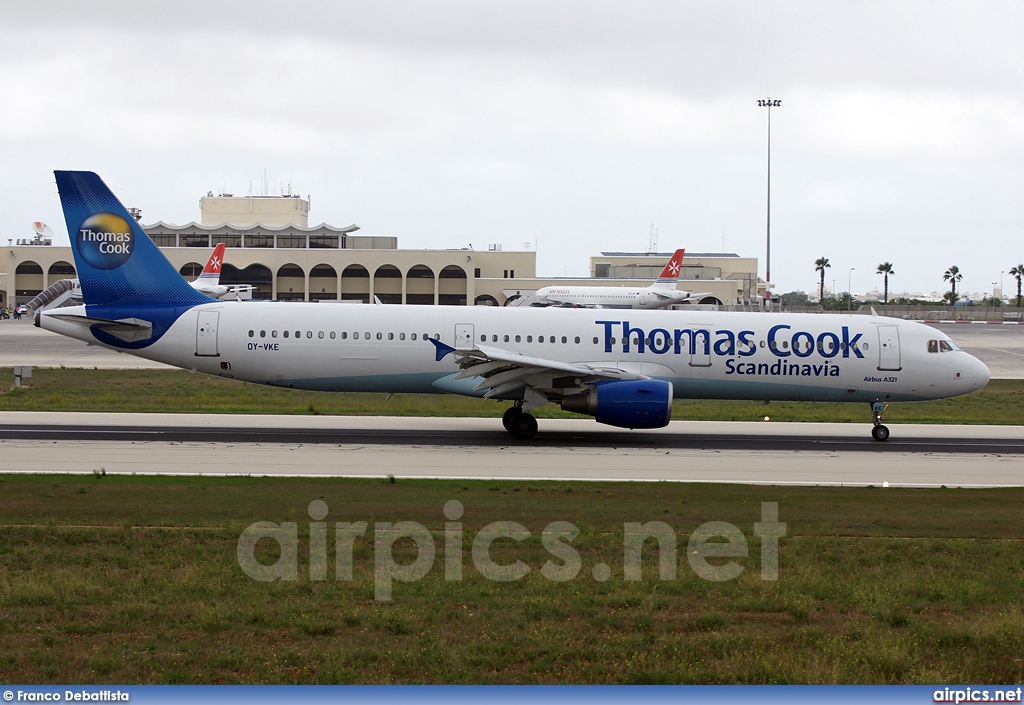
135, 580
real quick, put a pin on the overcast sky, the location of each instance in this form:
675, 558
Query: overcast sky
571, 126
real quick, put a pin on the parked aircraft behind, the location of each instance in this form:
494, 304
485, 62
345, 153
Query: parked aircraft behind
624, 368
208, 281
660, 294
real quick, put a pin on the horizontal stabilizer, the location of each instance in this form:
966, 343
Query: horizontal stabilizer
127, 329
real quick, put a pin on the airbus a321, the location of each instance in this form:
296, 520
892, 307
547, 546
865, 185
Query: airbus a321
660, 294
622, 367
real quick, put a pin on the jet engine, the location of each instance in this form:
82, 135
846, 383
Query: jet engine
627, 404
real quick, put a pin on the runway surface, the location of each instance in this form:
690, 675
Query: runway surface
762, 453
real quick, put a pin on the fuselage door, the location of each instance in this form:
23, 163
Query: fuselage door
206, 334
889, 348
700, 347
463, 336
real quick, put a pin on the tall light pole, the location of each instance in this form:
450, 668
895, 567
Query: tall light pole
849, 289
769, 103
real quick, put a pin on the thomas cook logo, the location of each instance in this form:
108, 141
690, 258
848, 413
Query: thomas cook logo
105, 241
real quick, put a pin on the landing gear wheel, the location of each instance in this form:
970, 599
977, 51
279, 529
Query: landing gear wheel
523, 426
880, 433
506, 418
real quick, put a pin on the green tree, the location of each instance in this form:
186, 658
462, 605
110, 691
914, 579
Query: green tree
794, 298
885, 269
950, 297
1018, 272
952, 275
820, 265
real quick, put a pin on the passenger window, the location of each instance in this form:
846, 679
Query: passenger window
298, 334
344, 335
285, 334
529, 339
401, 336
333, 334
577, 340
483, 338
944, 346
494, 339
273, 334
366, 335
263, 334
552, 339
355, 336
506, 338
762, 343
564, 339
309, 333
252, 333
595, 340
380, 336
785, 344
519, 338
391, 336
413, 336
864, 346
320, 335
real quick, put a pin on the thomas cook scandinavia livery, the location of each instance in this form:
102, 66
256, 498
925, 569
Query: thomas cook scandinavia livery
623, 367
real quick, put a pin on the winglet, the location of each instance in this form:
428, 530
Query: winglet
671, 271
442, 349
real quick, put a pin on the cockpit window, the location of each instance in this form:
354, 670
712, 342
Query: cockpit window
933, 346
944, 346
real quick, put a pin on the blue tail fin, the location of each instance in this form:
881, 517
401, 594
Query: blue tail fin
118, 265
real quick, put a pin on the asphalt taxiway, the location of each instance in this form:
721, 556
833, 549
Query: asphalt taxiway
566, 449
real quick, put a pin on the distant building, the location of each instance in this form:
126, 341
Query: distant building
272, 247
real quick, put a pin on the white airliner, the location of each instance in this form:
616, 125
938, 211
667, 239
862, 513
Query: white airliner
624, 368
208, 281
660, 294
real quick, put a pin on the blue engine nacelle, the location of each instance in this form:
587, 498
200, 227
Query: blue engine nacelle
629, 404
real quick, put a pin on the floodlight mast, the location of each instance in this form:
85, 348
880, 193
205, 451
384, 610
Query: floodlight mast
769, 103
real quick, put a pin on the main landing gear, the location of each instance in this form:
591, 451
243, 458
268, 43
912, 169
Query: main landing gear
520, 424
880, 432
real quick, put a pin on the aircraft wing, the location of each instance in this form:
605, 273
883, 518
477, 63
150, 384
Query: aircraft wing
503, 371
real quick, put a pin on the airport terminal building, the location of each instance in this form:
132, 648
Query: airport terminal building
272, 247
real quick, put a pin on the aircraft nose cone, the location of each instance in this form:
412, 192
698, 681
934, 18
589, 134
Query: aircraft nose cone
979, 373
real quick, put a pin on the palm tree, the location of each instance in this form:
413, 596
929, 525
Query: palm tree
820, 265
885, 268
1018, 272
952, 275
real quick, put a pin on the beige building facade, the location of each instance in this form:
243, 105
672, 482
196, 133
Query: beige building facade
271, 247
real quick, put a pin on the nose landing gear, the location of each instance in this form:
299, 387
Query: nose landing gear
880, 432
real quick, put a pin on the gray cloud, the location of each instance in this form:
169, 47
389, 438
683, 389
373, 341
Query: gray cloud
575, 125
